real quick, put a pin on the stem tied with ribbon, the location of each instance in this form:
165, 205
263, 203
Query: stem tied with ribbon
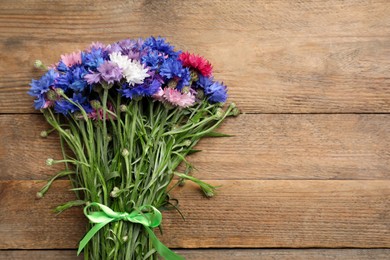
148, 220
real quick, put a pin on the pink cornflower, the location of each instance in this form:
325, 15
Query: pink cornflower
71, 59
177, 98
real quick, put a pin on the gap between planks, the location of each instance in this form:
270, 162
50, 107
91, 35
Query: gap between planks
272, 146
246, 214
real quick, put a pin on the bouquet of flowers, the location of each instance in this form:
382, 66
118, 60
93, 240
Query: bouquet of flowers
127, 114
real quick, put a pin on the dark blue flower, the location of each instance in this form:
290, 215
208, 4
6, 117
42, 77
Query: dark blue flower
78, 82
173, 69
94, 58
73, 79
39, 102
160, 45
216, 92
146, 89
153, 60
62, 67
65, 107
204, 82
41, 86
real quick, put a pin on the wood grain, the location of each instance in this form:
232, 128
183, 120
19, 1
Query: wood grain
275, 56
291, 214
228, 254
262, 147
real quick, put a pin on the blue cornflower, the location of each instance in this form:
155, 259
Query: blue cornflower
65, 107
62, 67
94, 58
40, 102
204, 82
146, 89
160, 45
216, 92
72, 79
153, 60
173, 69
40, 87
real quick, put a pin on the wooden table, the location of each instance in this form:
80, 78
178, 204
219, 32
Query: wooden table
309, 163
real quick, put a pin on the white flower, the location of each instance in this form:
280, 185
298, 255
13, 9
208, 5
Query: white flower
133, 71
120, 60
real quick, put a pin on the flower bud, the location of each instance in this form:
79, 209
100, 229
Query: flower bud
52, 95
39, 195
109, 137
232, 105
39, 65
200, 94
235, 111
172, 83
125, 152
194, 75
95, 104
59, 91
125, 238
68, 131
49, 161
187, 142
219, 113
44, 134
115, 192
123, 108
186, 89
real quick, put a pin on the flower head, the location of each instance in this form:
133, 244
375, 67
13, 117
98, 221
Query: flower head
177, 98
216, 92
173, 69
196, 62
108, 72
141, 90
159, 45
40, 87
134, 71
71, 59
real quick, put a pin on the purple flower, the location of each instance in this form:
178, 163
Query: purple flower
108, 72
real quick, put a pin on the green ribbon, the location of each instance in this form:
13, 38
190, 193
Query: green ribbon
148, 220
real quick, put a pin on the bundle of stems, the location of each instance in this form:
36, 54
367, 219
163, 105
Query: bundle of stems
127, 159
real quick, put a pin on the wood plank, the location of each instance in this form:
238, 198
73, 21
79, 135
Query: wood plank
256, 214
228, 254
276, 56
263, 147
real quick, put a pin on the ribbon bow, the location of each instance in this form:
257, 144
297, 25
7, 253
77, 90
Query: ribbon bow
148, 220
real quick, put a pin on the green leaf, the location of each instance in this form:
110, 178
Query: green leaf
68, 205
111, 175
192, 151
